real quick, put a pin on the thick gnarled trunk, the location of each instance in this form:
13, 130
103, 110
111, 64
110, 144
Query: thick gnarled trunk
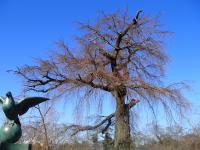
122, 126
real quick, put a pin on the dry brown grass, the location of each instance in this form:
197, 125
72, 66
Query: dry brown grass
65, 147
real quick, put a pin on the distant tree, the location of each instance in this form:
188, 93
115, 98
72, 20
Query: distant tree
118, 54
42, 128
42, 116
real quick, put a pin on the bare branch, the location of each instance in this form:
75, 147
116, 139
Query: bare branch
101, 36
108, 119
123, 33
78, 128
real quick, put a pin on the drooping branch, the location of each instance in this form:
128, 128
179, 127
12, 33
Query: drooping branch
107, 126
108, 120
78, 128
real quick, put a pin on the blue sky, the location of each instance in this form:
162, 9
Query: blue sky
29, 29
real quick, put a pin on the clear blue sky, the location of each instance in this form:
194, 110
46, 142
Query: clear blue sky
29, 28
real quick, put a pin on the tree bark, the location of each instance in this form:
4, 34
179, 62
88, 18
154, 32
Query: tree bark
122, 126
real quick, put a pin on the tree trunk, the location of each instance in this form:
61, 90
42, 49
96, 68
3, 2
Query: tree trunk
122, 126
45, 129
